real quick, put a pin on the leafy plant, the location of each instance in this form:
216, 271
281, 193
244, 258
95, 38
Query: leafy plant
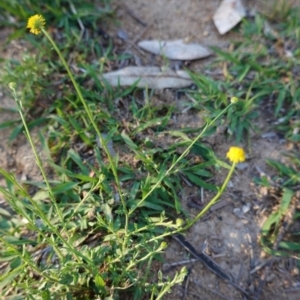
91, 230
276, 236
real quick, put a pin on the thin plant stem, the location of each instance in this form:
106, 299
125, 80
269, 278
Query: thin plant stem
39, 163
213, 200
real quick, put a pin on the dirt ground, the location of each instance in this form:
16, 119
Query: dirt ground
231, 237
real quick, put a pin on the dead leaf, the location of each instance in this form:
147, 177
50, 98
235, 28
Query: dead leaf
177, 50
149, 77
228, 14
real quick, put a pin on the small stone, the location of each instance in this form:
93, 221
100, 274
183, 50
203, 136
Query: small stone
23, 177
230, 184
238, 212
295, 272
246, 208
242, 166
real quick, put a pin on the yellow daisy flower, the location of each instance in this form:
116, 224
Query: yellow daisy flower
35, 23
236, 154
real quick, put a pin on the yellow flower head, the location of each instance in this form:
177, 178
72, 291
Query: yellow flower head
234, 100
236, 154
36, 23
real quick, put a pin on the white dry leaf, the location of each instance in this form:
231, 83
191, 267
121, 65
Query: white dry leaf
176, 50
228, 14
148, 77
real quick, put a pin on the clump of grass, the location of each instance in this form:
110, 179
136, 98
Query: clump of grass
279, 233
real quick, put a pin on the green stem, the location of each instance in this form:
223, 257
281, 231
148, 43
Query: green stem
40, 165
212, 201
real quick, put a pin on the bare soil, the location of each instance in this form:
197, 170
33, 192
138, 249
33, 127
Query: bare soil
232, 237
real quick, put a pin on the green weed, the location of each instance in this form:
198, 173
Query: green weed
90, 230
95, 225
278, 234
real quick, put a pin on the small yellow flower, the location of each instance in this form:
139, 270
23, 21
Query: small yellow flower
236, 154
12, 85
179, 222
234, 100
36, 23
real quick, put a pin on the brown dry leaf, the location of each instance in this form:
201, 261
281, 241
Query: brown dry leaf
149, 77
228, 14
177, 50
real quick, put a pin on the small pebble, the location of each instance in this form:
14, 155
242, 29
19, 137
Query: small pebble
242, 166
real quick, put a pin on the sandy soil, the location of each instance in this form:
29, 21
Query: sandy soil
232, 239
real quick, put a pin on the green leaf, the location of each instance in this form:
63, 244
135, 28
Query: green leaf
99, 281
226, 55
107, 211
273, 219
129, 142
6, 279
286, 200
280, 99
16, 132
151, 123
199, 182
63, 187
152, 206
178, 133
291, 246
77, 159
280, 167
